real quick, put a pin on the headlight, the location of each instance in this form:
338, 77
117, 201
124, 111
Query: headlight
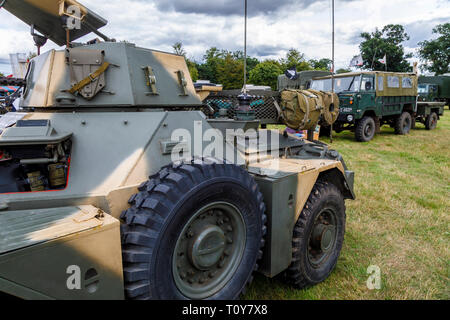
350, 118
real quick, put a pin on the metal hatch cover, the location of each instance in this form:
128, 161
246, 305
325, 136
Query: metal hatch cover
46, 18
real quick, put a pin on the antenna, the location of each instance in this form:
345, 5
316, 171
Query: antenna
245, 49
244, 111
333, 65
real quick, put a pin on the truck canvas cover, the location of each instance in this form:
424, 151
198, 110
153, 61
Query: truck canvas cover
388, 84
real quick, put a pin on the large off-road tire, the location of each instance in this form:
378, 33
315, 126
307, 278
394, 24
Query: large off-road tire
318, 237
194, 231
431, 121
365, 129
403, 124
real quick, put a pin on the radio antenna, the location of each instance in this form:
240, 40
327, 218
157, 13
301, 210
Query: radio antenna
245, 49
333, 65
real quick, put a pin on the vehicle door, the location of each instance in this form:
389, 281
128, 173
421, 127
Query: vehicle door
367, 94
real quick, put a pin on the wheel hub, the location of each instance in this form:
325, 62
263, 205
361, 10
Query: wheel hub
209, 250
208, 247
324, 237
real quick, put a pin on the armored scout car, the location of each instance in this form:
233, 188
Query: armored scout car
94, 206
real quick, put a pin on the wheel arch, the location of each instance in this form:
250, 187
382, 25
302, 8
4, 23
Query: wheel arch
370, 113
337, 178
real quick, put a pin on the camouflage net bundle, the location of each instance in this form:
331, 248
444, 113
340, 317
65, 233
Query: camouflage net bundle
303, 109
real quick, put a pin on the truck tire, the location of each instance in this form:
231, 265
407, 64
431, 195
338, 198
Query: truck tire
365, 129
403, 124
413, 122
431, 121
318, 237
194, 231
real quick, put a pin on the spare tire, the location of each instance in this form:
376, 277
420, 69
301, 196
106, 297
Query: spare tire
330, 106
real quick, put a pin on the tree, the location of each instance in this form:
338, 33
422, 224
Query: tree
208, 70
1, 74
294, 58
387, 42
179, 49
436, 53
266, 73
230, 72
322, 64
251, 62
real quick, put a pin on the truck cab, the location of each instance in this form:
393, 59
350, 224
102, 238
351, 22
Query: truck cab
428, 92
370, 99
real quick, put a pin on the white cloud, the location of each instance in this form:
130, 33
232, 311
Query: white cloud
270, 34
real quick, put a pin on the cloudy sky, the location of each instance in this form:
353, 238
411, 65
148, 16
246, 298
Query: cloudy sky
275, 26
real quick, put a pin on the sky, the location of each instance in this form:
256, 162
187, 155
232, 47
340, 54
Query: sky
273, 26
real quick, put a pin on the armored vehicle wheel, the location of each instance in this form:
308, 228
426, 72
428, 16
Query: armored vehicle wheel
431, 121
194, 231
365, 129
403, 124
318, 236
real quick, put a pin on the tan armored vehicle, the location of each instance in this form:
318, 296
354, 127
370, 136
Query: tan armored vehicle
109, 187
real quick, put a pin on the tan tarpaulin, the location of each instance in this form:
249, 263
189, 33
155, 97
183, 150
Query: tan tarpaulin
396, 84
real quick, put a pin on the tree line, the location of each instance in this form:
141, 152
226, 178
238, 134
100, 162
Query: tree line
227, 67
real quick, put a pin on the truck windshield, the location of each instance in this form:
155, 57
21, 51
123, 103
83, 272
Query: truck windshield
423, 88
340, 84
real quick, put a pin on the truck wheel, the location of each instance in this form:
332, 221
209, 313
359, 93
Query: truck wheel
403, 123
194, 231
365, 129
318, 236
431, 121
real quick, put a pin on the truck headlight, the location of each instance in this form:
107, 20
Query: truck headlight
350, 118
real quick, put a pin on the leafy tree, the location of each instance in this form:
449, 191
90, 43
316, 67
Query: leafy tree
1, 74
208, 70
251, 62
387, 42
436, 53
322, 64
266, 73
179, 49
230, 72
294, 58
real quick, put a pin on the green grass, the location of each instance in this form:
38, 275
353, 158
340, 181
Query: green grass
399, 222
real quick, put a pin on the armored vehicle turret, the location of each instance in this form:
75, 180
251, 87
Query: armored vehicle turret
118, 182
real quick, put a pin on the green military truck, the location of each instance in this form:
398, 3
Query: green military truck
369, 100
435, 89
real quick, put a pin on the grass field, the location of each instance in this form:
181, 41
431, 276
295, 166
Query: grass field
399, 222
